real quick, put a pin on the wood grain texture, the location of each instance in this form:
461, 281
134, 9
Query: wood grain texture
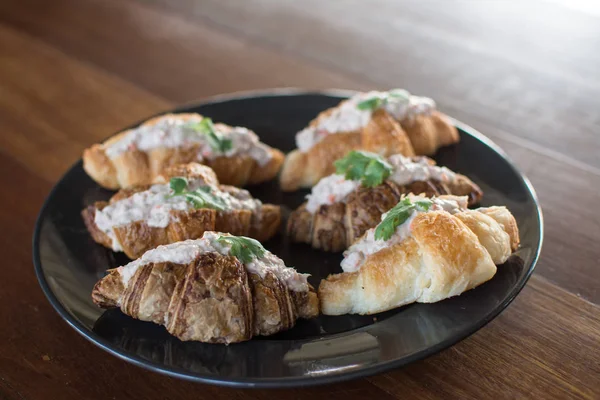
56, 106
178, 59
74, 71
519, 355
523, 60
72, 26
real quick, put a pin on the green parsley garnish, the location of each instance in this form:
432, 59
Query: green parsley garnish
372, 103
204, 198
243, 248
371, 169
399, 94
398, 215
200, 198
376, 102
178, 184
215, 139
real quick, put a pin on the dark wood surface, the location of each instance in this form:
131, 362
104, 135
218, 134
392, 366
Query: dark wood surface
524, 73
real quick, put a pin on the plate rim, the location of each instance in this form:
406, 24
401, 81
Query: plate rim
290, 381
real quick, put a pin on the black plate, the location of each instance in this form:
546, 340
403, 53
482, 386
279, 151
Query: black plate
327, 349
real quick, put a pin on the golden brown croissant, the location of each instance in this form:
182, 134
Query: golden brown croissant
340, 210
136, 156
209, 290
420, 253
141, 218
386, 123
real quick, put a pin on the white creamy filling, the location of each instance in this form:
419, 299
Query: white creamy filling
243, 201
173, 132
347, 117
407, 171
355, 255
186, 251
329, 190
335, 188
154, 207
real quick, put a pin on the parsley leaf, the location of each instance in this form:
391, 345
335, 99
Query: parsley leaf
215, 139
178, 184
204, 198
372, 103
377, 101
371, 169
375, 173
399, 94
398, 215
243, 248
200, 198
423, 205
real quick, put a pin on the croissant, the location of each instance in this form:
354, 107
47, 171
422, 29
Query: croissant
136, 156
199, 290
140, 218
340, 210
386, 123
429, 257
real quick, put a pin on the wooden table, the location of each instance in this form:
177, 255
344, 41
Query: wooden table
524, 73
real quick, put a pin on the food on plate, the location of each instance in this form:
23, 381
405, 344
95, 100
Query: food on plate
342, 206
386, 123
184, 202
217, 289
136, 156
423, 250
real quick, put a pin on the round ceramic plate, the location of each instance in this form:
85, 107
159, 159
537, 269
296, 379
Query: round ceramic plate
326, 349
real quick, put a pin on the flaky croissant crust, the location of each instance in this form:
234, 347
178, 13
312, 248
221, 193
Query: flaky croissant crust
137, 237
444, 256
135, 167
418, 135
212, 299
335, 227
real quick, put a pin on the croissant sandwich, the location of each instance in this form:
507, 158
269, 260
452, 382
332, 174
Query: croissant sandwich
185, 201
342, 206
423, 250
386, 123
217, 289
136, 156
